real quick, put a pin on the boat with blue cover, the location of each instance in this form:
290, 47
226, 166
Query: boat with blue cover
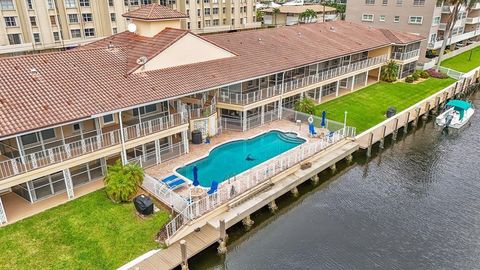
457, 114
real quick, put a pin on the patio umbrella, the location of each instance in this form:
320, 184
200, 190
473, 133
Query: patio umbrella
195, 176
324, 116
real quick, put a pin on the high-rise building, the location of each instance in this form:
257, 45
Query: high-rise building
425, 18
29, 25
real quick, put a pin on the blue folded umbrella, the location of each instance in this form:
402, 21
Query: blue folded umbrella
324, 116
195, 176
213, 188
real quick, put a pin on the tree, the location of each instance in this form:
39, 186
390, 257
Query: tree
451, 21
341, 8
259, 15
275, 12
305, 105
122, 181
389, 72
307, 16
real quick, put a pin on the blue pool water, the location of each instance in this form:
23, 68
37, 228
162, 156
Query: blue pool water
230, 159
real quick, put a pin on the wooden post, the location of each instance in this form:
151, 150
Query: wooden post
247, 222
183, 249
427, 111
405, 127
333, 167
437, 104
382, 140
272, 206
417, 114
349, 158
370, 141
315, 179
222, 247
294, 191
395, 130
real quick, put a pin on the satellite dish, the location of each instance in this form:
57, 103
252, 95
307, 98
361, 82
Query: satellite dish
132, 28
142, 60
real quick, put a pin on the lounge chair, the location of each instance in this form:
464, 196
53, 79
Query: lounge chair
169, 179
213, 188
176, 184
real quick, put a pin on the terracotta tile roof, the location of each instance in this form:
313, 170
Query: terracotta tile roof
77, 84
153, 12
139, 46
399, 37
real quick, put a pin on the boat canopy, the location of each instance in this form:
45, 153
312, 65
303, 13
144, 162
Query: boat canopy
459, 105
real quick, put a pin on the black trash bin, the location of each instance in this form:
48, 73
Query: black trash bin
391, 111
196, 137
143, 204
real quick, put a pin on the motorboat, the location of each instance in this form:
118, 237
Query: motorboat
457, 114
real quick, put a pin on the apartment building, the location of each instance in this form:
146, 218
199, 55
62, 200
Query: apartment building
136, 96
32, 25
421, 17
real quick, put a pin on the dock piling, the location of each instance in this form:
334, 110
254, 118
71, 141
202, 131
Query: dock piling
333, 167
315, 179
370, 141
294, 191
405, 127
417, 115
382, 140
272, 206
349, 158
247, 222
395, 130
427, 111
183, 249
222, 247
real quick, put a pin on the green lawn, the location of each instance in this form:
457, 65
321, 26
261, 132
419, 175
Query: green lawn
461, 62
88, 233
367, 107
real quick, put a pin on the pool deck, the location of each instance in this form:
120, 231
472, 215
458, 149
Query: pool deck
200, 150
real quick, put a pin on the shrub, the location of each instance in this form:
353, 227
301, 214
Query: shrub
409, 79
389, 72
122, 181
424, 74
415, 76
437, 74
305, 105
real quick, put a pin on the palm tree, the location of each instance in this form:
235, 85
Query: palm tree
307, 16
305, 105
275, 12
389, 72
122, 181
451, 21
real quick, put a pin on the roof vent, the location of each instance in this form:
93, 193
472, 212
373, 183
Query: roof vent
110, 45
142, 60
259, 39
332, 28
34, 73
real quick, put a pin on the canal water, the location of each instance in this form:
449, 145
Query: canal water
414, 205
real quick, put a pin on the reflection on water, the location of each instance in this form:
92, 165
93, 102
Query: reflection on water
414, 205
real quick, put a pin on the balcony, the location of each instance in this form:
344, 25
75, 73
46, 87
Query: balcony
454, 39
248, 98
202, 112
93, 142
442, 26
446, 9
473, 20
405, 55
475, 6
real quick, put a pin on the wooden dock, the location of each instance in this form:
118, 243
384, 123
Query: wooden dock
171, 257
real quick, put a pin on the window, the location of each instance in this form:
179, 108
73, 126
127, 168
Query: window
10, 21
369, 2
199, 24
48, 134
36, 38
367, 17
29, 4
113, 17
56, 36
87, 17
384, 2
84, 3
6, 4
188, 12
233, 10
29, 138
223, 10
415, 19
14, 39
399, 2
396, 19
215, 22
89, 32
53, 21
206, 1
418, 2
436, 20
72, 18
382, 18
114, 30
50, 4
207, 11
215, 10
207, 23
76, 33
70, 3
132, 2
76, 127
110, 3
33, 21
145, 110
233, 21
198, 12
188, 25
433, 38
108, 118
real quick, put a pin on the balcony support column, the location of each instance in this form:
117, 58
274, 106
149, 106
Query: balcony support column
366, 78
262, 119
123, 154
21, 152
379, 73
68, 183
158, 157
338, 89
244, 121
185, 142
353, 83
320, 95
3, 214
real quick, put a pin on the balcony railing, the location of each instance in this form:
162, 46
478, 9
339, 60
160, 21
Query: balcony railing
473, 20
58, 154
252, 97
405, 55
202, 112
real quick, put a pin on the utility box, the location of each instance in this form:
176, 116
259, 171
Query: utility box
391, 111
197, 137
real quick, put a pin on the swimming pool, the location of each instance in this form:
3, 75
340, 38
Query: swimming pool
233, 158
